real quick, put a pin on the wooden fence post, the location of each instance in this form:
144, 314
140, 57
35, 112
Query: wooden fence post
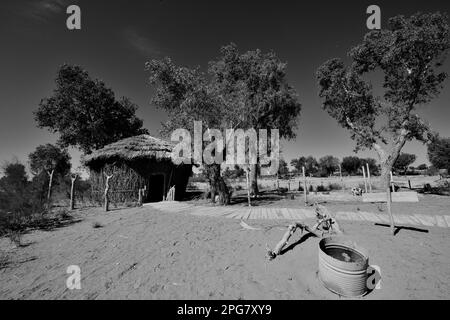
108, 177
304, 186
364, 177
140, 197
389, 201
247, 172
278, 184
392, 182
340, 175
368, 178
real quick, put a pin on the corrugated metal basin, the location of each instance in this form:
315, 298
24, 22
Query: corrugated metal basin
343, 266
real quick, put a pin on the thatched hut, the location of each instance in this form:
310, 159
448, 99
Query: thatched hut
140, 162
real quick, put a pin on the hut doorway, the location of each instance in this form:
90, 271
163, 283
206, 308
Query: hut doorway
155, 187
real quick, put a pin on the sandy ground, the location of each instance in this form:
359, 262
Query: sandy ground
145, 254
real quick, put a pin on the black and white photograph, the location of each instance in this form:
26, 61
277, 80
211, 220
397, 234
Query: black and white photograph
240, 153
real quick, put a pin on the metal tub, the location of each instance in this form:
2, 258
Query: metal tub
343, 266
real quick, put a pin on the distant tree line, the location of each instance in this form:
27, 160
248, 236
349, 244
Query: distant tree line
330, 165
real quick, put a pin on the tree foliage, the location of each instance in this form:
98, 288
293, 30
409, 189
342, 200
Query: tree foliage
403, 162
50, 157
409, 54
187, 96
14, 178
328, 165
310, 163
255, 87
351, 165
373, 166
439, 152
283, 170
258, 96
242, 91
85, 113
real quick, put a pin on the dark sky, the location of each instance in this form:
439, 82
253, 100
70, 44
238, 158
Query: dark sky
118, 37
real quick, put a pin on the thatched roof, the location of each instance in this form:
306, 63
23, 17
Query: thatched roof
138, 147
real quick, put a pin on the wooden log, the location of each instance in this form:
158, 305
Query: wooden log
272, 254
325, 223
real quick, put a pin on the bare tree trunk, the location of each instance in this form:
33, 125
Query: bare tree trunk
387, 161
72, 198
247, 173
254, 180
50, 185
217, 184
108, 177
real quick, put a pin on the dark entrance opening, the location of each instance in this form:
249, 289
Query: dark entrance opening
155, 188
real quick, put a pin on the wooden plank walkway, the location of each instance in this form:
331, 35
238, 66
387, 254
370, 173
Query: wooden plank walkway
271, 213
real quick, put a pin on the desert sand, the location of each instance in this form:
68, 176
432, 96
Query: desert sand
142, 253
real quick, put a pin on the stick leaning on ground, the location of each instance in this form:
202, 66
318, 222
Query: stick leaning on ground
325, 222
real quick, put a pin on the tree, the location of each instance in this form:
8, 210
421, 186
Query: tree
257, 92
310, 163
243, 91
14, 177
13, 189
187, 96
351, 165
439, 152
283, 170
373, 166
311, 166
49, 160
298, 164
409, 54
404, 160
85, 112
328, 165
